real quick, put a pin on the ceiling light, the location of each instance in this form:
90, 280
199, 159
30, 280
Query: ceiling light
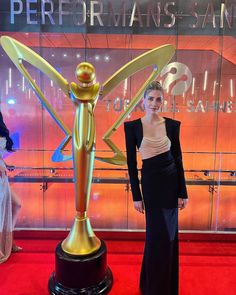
107, 58
11, 101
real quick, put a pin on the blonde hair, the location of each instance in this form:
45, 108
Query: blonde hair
155, 85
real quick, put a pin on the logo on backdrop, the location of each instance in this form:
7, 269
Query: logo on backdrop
176, 77
176, 80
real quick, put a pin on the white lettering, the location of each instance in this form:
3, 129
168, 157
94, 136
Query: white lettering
151, 12
190, 106
13, 11
169, 14
209, 16
48, 12
61, 11
31, 11
195, 15
97, 14
116, 16
83, 21
200, 107
136, 18
118, 104
229, 17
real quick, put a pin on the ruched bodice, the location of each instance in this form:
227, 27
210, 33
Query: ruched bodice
153, 146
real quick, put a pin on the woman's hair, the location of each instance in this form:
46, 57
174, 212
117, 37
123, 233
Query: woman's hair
4, 132
155, 85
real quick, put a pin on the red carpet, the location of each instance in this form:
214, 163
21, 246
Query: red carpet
206, 268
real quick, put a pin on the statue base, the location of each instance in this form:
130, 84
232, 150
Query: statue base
81, 275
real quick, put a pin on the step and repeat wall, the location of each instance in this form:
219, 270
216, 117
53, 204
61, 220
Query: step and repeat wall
200, 91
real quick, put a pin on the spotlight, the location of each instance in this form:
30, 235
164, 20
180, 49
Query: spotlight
107, 58
97, 57
52, 170
11, 101
206, 173
78, 55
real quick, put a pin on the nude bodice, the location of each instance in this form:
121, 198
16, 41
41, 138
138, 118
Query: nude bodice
152, 146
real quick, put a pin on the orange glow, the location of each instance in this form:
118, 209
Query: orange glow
205, 136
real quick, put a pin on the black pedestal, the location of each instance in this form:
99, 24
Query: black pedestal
86, 275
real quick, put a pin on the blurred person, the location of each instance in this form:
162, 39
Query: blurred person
9, 202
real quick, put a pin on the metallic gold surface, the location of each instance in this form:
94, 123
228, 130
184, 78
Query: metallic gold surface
85, 72
81, 239
18, 53
82, 236
84, 241
158, 58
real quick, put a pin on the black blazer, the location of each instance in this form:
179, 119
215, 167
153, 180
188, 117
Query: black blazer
133, 138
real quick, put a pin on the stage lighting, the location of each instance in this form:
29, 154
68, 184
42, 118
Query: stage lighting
11, 101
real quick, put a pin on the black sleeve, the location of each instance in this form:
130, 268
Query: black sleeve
131, 143
177, 154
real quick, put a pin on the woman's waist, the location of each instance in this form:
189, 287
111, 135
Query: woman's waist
161, 162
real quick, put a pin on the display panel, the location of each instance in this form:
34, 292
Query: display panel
201, 95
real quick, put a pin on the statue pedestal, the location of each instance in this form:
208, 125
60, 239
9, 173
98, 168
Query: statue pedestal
81, 275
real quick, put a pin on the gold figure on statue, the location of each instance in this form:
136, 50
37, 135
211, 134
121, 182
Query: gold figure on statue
84, 94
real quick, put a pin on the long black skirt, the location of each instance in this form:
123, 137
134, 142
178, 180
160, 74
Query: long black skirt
159, 272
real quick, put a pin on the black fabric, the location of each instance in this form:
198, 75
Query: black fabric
162, 183
134, 136
4, 132
159, 272
160, 267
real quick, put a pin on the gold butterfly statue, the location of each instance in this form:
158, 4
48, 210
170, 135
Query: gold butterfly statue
84, 95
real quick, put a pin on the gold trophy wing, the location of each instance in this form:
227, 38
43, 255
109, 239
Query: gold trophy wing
18, 53
158, 58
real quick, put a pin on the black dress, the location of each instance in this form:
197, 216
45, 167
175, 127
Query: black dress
162, 183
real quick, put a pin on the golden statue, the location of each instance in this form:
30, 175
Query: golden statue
81, 240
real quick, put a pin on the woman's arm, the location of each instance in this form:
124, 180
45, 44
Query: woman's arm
177, 154
130, 141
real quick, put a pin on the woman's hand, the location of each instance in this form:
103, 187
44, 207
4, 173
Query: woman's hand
10, 167
139, 206
182, 203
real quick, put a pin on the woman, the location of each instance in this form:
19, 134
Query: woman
9, 203
163, 191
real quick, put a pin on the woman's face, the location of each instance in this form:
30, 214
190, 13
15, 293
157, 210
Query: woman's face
153, 101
